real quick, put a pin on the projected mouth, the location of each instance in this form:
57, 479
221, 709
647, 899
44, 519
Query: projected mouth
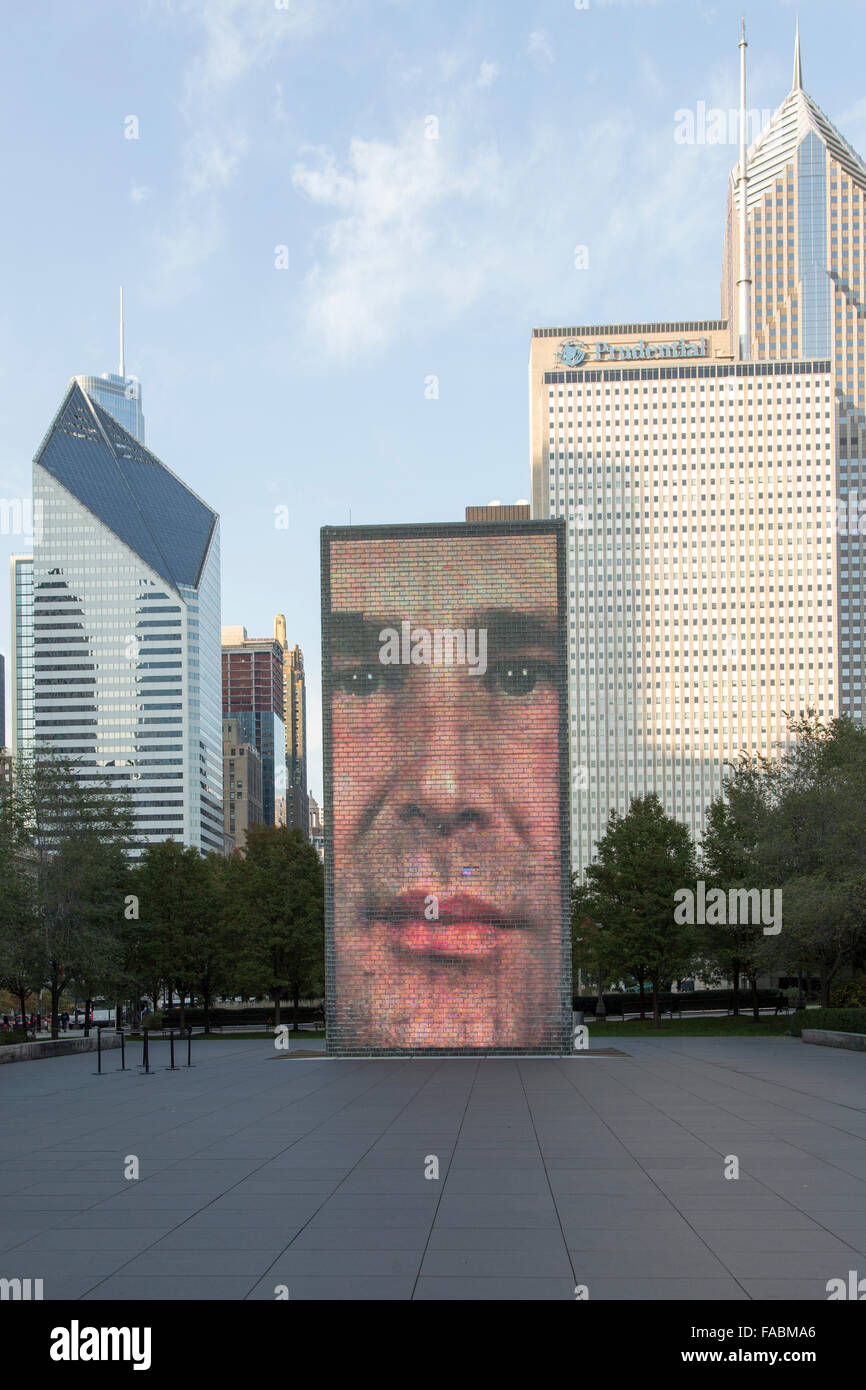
460, 926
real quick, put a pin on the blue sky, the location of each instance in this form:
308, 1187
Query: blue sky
308, 127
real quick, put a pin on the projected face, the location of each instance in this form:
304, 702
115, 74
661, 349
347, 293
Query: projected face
445, 737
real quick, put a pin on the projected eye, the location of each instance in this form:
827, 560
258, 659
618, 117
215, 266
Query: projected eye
366, 680
519, 678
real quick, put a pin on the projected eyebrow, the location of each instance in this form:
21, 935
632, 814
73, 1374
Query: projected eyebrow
355, 636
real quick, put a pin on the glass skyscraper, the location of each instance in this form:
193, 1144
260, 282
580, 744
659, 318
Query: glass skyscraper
21, 662
120, 396
126, 624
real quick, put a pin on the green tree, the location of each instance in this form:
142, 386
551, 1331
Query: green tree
73, 837
275, 903
643, 859
178, 917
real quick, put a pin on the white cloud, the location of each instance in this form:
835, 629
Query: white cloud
139, 193
540, 48
396, 245
238, 37
486, 74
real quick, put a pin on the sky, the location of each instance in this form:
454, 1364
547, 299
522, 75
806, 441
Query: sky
337, 222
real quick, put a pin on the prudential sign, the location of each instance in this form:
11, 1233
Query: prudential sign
573, 353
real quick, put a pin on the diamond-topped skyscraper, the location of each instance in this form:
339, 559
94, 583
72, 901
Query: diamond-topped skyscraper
126, 624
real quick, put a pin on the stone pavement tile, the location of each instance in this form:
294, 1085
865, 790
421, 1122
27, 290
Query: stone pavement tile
662, 1263
65, 1288
768, 1264
800, 1242
645, 1290
520, 1263
507, 1182
354, 1238
200, 1262
357, 1218
21, 1202
546, 1241
714, 1219
60, 1264
169, 1288
786, 1291
89, 1239
589, 1209
214, 1238
340, 1288
133, 1220
483, 1287
677, 1239
297, 1264
601, 1182
500, 1210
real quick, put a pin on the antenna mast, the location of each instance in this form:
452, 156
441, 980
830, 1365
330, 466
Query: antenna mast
744, 282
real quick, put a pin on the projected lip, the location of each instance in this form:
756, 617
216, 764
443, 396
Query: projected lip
466, 926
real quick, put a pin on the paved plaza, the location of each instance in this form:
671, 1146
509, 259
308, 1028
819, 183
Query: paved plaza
259, 1170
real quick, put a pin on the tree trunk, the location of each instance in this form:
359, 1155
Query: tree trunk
87, 1005
56, 989
657, 1018
296, 1002
205, 999
640, 979
182, 1007
826, 981
600, 1010
275, 998
756, 1011
735, 1006
22, 1000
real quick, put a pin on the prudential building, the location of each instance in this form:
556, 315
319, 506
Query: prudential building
710, 472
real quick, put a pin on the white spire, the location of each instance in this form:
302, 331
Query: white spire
798, 65
123, 359
744, 302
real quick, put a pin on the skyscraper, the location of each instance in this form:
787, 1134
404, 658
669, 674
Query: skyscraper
699, 464
2, 701
120, 395
252, 692
295, 693
126, 604
21, 672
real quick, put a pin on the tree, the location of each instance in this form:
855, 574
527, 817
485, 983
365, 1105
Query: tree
178, 920
641, 862
72, 837
275, 903
737, 826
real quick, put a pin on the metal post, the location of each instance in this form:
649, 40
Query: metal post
122, 1050
145, 1055
171, 1045
99, 1049
189, 1047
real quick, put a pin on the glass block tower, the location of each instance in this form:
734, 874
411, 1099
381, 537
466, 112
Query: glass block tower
126, 625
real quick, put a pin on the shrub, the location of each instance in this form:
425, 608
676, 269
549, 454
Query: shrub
849, 994
839, 1020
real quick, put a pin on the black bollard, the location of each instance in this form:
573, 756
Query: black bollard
171, 1046
98, 1050
145, 1055
189, 1047
122, 1050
